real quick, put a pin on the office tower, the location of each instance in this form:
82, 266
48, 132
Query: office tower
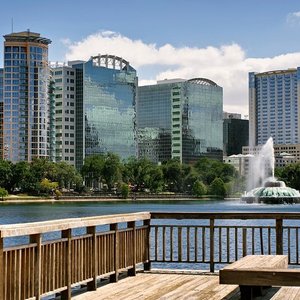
64, 93
1, 113
105, 107
274, 99
180, 119
26, 107
235, 134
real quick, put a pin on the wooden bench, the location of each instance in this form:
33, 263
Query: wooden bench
253, 272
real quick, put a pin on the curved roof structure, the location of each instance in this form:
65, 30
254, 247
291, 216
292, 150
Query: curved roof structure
203, 81
110, 61
26, 36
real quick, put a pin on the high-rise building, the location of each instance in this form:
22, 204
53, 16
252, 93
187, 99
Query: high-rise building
180, 119
105, 107
1, 112
274, 101
26, 106
235, 134
65, 112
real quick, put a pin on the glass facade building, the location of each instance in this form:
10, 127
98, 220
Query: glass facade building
180, 119
274, 99
105, 107
26, 106
235, 135
1, 113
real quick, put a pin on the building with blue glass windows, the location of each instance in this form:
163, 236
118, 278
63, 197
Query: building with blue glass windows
26, 106
1, 112
105, 107
180, 119
274, 99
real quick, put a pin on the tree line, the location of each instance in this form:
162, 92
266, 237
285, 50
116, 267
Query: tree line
107, 173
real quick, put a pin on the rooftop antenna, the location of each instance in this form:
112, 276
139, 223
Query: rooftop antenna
12, 25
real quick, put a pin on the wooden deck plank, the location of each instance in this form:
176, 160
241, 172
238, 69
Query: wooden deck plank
290, 293
151, 286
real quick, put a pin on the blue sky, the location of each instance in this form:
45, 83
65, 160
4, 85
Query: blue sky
232, 37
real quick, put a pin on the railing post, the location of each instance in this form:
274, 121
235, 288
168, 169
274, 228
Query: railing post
212, 245
66, 295
279, 237
132, 271
244, 242
114, 277
92, 285
37, 239
147, 263
1, 269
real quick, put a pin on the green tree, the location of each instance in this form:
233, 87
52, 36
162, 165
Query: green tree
112, 170
290, 174
6, 174
21, 173
173, 175
92, 169
124, 190
199, 188
48, 186
3, 193
217, 188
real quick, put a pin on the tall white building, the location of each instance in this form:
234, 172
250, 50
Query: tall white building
65, 112
274, 100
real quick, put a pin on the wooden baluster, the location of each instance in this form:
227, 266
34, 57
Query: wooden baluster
244, 241
92, 285
2, 296
147, 263
212, 244
132, 271
114, 277
37, 239
279, 237
66, 294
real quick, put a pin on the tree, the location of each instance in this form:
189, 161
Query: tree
173, 175
6, 174
124, 190
92, 169
217, 188
3, 193
48, 186
290, 174
20, 171
199, 188
112, 170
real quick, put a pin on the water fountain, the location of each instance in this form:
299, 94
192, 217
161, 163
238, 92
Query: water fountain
262, 182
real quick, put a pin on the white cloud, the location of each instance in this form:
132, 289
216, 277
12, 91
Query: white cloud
227, 65
293, 18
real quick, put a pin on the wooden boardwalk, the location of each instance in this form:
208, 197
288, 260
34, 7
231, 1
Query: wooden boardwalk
171, 286
166, 286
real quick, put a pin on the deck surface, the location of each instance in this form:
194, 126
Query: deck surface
164, 286
158, 285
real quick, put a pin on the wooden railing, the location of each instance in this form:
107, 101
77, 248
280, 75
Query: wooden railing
85, 250
221, 238
40, 268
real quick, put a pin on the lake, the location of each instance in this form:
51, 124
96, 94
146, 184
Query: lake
32, 212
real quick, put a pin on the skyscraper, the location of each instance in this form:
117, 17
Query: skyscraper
235, 134
180, 119
26, 106
64, 93
105, 107
274, 100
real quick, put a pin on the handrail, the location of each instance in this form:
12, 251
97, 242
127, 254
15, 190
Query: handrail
224, 215
12, 230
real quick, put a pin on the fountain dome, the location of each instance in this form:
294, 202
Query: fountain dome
273, 192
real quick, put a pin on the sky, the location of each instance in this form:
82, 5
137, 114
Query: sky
164, 39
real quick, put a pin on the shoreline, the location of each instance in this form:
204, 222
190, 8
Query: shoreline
110, 199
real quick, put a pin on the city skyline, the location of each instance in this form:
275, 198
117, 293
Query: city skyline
170, 39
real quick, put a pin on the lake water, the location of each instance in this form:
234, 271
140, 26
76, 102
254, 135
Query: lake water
33, 212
